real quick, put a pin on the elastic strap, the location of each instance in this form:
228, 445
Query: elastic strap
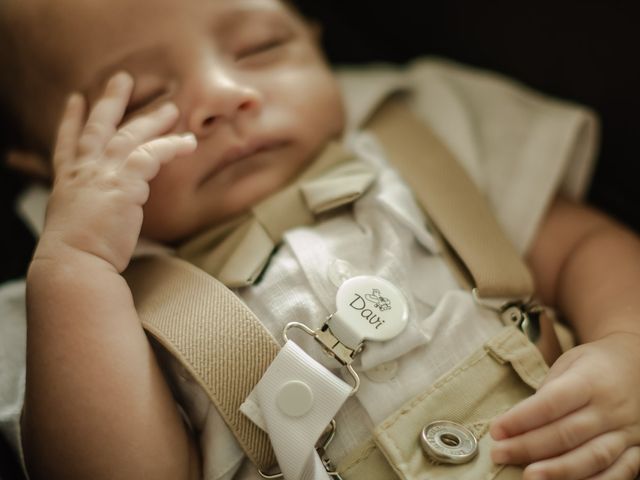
453, 202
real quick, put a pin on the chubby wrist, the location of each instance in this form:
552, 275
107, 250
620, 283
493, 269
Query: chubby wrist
56, 250
52, 255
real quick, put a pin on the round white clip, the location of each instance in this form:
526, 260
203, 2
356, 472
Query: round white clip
368, 308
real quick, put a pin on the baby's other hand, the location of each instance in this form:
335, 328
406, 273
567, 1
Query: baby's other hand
584, 422
102, 173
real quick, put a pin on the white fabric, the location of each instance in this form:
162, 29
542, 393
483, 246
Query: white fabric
521, 148
13, 345
294, 438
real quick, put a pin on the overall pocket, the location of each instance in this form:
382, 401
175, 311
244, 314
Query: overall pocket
506, 370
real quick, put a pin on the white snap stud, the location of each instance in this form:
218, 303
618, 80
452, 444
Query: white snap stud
295, 398
448, 442
383, 373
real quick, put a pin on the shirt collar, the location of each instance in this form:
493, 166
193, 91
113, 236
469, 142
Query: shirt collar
365, 88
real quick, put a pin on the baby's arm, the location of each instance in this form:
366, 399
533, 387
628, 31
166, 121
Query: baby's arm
96, 403
584, 422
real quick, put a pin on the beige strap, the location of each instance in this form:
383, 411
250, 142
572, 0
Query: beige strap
212, 334
237, 252
453, 202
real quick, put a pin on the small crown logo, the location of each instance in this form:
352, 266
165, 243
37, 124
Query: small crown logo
380, 302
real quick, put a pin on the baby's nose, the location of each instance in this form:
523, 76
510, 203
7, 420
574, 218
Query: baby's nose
221, 98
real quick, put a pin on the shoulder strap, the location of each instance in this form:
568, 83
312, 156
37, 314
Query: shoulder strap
212, 334
226, 349
453, 203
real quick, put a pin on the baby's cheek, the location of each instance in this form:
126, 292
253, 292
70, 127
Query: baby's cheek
165, 218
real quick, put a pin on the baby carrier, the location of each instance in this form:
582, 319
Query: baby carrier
439, 434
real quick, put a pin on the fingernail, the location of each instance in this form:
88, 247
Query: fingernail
168, 108
121, 79
74, 100
497, 433
189, 138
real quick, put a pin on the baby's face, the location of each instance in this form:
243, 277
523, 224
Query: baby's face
246, 75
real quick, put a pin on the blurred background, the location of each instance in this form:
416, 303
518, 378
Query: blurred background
582, 50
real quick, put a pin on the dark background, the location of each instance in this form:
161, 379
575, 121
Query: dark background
583, 50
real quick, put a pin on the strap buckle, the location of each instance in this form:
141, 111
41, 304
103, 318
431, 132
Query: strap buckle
321, 450
532, 318
331, 346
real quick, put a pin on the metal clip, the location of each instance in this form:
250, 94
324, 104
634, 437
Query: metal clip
523, 313
321, 449
331, 346
532, 318
525, 316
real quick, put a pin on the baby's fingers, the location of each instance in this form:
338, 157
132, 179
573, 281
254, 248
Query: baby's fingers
107, 114
626, 467
69, 131
589, 459
555, 400
147, 159
550, 440
141, 130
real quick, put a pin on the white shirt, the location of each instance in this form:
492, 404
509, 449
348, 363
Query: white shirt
520, 148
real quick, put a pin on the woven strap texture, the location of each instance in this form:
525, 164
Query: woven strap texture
453, 202
212, 334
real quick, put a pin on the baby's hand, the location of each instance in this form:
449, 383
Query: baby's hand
584, 422
102, 174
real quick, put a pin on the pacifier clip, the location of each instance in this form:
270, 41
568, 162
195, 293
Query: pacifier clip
297, 398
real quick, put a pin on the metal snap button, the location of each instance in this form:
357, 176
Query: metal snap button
448, 442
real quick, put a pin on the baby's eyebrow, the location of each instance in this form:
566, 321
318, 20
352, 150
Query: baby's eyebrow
231, 20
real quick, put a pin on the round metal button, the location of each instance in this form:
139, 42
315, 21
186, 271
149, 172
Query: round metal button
294, 398
448, 442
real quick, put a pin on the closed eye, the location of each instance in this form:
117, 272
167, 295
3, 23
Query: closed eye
261, 47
